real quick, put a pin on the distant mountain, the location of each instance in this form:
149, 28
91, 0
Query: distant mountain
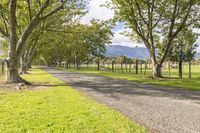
137, 52
117, 50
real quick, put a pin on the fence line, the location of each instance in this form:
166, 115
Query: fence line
141, 67
138, 67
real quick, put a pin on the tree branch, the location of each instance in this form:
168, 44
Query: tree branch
4, 33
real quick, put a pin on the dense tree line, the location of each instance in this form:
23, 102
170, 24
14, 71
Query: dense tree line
74, 44
19, 19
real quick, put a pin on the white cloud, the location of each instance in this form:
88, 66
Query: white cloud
120, 39
97, 11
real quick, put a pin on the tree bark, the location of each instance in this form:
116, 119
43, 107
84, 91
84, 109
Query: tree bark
157, 70
180, 69
66, 64
12, 61
23, 63
98, 65
29, 66
136, 66
145, 67
23, 69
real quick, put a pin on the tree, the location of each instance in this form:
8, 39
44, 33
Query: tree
34, 42
157, 22
17, 31
75, 43
184, 48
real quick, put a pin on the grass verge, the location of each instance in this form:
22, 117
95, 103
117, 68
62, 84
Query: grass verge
58, 108
191, 84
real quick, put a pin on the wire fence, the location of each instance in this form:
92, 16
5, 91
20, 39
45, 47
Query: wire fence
138, 67
169, 69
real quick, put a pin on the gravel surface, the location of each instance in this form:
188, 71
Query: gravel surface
161, 109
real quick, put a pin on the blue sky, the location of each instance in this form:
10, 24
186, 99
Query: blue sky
102, 13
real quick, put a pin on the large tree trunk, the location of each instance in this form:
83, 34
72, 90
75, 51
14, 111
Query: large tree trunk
23, 65
66, 64
29, 66
23, 68
136, 66
157, 70
13, 61
12, 70
98, 65
180, 61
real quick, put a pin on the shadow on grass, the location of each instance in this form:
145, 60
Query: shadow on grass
48, 85
114, 87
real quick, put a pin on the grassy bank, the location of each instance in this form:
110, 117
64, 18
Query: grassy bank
193, 84
52, 106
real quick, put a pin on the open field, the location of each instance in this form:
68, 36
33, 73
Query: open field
52, 106
166, 71
186, 83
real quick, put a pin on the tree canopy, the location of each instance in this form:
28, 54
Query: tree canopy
157, 23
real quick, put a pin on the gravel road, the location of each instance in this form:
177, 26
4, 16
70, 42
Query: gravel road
161, 109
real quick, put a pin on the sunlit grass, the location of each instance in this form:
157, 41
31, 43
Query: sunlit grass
193, 84
172, 72
58, 108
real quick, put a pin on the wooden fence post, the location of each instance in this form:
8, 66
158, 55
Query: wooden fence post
190, 75
169, 68
145, 68
126, 67
98, 65
141, 66
180, 69
113, 66
136, 66
122, 66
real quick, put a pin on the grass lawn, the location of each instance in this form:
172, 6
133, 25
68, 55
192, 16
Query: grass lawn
193, 84
57, 107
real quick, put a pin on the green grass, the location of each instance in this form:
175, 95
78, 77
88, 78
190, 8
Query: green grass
58, 108
192, 84
195, 69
